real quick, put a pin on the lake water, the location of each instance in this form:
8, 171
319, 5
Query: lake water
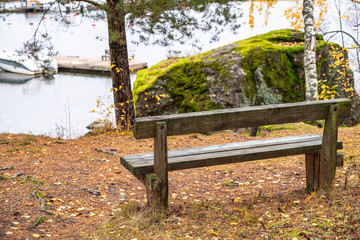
58, 106
62, 105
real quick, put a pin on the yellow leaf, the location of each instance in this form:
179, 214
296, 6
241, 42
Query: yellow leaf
282, 209
234, 223
132, 69
36, 235
111, 90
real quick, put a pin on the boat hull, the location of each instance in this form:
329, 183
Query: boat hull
15, 67
14, 62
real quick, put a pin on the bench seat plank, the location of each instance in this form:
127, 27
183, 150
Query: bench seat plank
227, 153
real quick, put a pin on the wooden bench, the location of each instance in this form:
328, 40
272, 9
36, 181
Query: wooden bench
320, 150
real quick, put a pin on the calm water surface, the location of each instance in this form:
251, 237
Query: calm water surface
61, 106
58, 106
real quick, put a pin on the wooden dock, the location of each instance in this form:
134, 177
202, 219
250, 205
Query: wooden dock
91, 66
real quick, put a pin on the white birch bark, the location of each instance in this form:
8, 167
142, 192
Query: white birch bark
310, 51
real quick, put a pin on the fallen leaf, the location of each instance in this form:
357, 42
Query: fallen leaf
36, 235
236, 200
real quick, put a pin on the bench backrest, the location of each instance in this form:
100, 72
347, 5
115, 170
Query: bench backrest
207, 121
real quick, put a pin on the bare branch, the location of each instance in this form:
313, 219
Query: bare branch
341, 31
90, 2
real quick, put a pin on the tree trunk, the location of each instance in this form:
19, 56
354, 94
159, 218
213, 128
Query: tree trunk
310, 51
120, 73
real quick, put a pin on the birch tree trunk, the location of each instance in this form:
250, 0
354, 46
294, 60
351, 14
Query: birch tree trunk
310, 51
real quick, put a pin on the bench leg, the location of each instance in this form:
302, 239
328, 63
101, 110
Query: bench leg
328, 150
153, 186
312, 163
155, 199
157, 184
340, 159
160, 165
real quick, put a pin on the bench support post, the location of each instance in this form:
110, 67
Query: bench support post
328, 150
312, 163
158, 197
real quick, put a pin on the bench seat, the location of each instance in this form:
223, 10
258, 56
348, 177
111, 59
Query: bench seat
227, 153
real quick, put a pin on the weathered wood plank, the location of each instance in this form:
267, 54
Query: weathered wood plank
340, 159
240, 117
229, 146
312, 171
140, 166
160, 198
328, 149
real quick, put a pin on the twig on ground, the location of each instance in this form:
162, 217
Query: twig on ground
17, 175
91, 191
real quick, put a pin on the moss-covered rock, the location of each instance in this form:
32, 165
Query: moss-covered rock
265, 69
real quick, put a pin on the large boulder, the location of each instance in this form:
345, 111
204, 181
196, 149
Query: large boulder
265, 69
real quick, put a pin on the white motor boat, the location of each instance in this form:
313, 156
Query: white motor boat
23, 63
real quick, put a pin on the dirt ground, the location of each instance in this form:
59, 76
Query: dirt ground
70, 189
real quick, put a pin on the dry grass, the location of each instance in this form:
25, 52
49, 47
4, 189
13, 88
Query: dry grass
88, 194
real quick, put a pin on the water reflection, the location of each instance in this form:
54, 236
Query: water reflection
13, 78
60, 105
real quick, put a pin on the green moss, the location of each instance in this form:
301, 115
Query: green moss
147, 77
189, 88
278, 69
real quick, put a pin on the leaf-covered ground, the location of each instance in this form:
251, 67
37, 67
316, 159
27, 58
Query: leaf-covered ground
77, 189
